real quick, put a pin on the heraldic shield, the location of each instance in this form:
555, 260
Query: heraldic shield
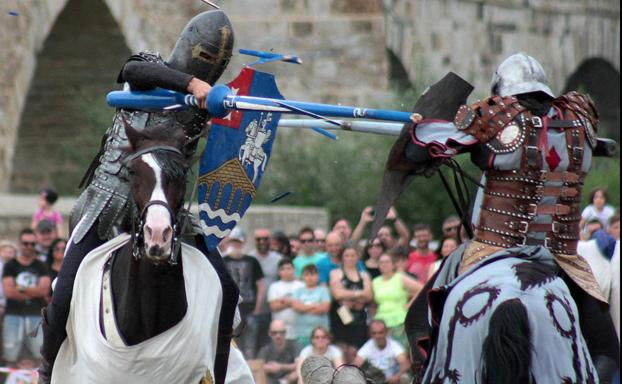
235, 157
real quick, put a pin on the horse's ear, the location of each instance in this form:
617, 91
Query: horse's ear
133, 136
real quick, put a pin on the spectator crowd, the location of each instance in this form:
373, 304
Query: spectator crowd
313, 292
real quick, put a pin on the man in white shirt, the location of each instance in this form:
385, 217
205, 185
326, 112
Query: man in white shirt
280, 296
384, 353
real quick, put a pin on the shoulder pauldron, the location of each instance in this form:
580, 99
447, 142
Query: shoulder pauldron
487, 117
584, 108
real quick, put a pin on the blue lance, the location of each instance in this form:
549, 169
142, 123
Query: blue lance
381, 128
221, 101
267, 57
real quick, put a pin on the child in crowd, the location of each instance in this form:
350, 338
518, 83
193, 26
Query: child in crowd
280, 295
46, 211
311, 304
598, 209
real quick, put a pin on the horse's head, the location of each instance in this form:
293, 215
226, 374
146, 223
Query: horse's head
157, 166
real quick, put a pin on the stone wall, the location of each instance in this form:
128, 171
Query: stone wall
24, 26
471, 37
342, 42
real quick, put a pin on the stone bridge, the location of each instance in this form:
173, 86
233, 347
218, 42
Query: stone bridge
59, 57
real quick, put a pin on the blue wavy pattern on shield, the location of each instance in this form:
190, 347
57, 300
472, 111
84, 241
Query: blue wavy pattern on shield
224, 193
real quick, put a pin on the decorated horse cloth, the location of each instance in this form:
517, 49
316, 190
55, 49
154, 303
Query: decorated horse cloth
461, 308
183, 354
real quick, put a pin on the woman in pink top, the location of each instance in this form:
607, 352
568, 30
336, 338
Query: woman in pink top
46, 211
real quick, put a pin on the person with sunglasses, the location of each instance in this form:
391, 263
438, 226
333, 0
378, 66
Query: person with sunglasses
307, 253
371, 254
26, 283
279, 357
320, 239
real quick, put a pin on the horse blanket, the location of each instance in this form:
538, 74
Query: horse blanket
183, 354
462, 307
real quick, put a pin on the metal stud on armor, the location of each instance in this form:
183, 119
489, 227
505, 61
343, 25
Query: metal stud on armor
515, 210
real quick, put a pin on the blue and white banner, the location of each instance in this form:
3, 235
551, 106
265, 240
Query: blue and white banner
235, 157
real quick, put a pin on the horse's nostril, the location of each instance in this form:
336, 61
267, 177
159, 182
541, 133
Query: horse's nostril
155, 251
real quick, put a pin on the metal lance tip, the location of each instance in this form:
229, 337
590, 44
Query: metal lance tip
416, 118
210, 3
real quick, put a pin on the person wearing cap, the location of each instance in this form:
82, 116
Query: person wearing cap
246, 272
45, 232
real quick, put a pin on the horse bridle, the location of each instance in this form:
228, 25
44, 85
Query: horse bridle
137, 238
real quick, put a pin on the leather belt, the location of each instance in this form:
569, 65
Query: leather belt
515, 189
534, 177
510, 207
519, 228
564, 123
555, 245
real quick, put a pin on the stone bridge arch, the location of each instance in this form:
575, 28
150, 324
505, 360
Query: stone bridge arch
332, 37
343, 43
24, 33
598, 78
472, 37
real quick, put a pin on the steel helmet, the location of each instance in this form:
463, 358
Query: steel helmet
519, 73
204, 47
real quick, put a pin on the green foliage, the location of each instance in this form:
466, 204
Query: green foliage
604, 173
78, 151
344, 176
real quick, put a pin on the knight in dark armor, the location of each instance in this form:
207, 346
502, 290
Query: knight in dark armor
103, 210
535, 150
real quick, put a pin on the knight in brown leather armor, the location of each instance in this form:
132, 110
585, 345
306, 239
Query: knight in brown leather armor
535, 150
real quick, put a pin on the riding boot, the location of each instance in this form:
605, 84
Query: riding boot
49, 349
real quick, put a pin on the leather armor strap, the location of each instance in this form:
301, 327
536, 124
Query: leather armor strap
513, 208
580, 104
564, 123
487, 117
576, 147
534, 177
532, 154
511, 226
519, 190
565, 246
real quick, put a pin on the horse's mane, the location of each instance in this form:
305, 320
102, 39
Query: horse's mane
172, 164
